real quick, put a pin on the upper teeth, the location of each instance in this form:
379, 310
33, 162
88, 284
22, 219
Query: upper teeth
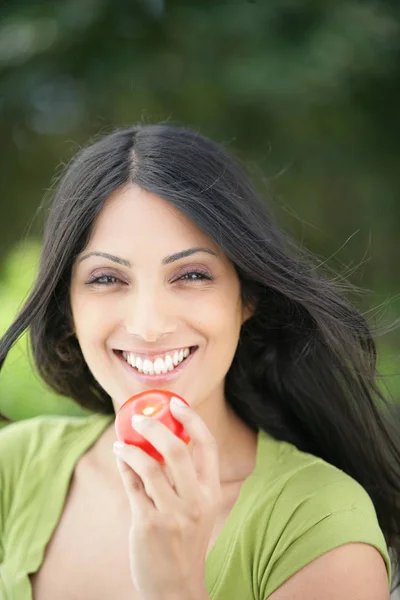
159, 365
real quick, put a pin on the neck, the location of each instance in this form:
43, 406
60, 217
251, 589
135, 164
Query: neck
236, 443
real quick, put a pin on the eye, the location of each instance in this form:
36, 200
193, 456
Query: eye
195, 276
100, 280
105, 279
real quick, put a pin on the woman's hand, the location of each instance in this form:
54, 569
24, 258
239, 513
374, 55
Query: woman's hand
174, 507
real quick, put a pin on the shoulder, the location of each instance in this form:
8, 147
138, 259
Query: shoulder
308, 482
298, 482
25, 442
28, 432
351, 571
33, 454
315, 508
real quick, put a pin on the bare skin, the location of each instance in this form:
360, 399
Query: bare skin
87, 556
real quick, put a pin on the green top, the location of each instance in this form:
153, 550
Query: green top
293, 508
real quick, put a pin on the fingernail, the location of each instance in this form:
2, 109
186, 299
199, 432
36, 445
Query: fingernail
117, 447
138, 419
177, 402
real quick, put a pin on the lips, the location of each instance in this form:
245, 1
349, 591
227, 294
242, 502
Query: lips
162, 377
158, 363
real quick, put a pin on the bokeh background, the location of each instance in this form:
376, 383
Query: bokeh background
304, 93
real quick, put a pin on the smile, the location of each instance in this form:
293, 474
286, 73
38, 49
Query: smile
161, 365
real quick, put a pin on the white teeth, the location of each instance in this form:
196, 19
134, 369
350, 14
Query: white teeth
160, 365
169, 363
148, 366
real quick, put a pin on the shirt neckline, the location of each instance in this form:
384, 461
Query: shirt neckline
215, 560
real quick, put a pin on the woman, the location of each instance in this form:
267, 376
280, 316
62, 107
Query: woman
157, 246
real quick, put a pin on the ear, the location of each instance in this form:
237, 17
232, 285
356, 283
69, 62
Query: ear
248, 311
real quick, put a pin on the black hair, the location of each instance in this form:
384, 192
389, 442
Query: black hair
305, 369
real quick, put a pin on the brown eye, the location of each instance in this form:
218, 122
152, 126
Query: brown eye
104, 279
195, 276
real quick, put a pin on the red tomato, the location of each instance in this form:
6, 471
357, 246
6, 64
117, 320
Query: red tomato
154, 404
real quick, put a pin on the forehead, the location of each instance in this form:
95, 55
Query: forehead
133, 216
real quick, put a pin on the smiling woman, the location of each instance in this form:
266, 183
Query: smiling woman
162, 268
140, 299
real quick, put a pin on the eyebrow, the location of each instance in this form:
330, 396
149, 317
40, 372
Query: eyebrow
165, 261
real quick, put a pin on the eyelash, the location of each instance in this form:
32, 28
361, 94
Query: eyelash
204, 276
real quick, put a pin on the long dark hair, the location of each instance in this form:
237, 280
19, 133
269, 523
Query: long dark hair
305, 366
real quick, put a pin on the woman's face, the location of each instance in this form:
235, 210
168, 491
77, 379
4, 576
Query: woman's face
153, 304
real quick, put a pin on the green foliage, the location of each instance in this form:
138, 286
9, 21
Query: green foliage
389, 368
22, 393
304, 91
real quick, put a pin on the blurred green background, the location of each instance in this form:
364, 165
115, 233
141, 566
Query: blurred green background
305, 94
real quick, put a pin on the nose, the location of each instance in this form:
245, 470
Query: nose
149, 316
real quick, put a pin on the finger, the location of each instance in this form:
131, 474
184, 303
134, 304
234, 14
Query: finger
134, 488
154, 479
176, 454
205, 451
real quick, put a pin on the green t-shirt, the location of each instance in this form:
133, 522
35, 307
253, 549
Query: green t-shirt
293, 508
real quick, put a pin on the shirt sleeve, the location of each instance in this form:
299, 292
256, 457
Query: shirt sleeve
319, 509
15, 450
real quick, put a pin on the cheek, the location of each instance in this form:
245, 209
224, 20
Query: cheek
220, 317
90, 324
